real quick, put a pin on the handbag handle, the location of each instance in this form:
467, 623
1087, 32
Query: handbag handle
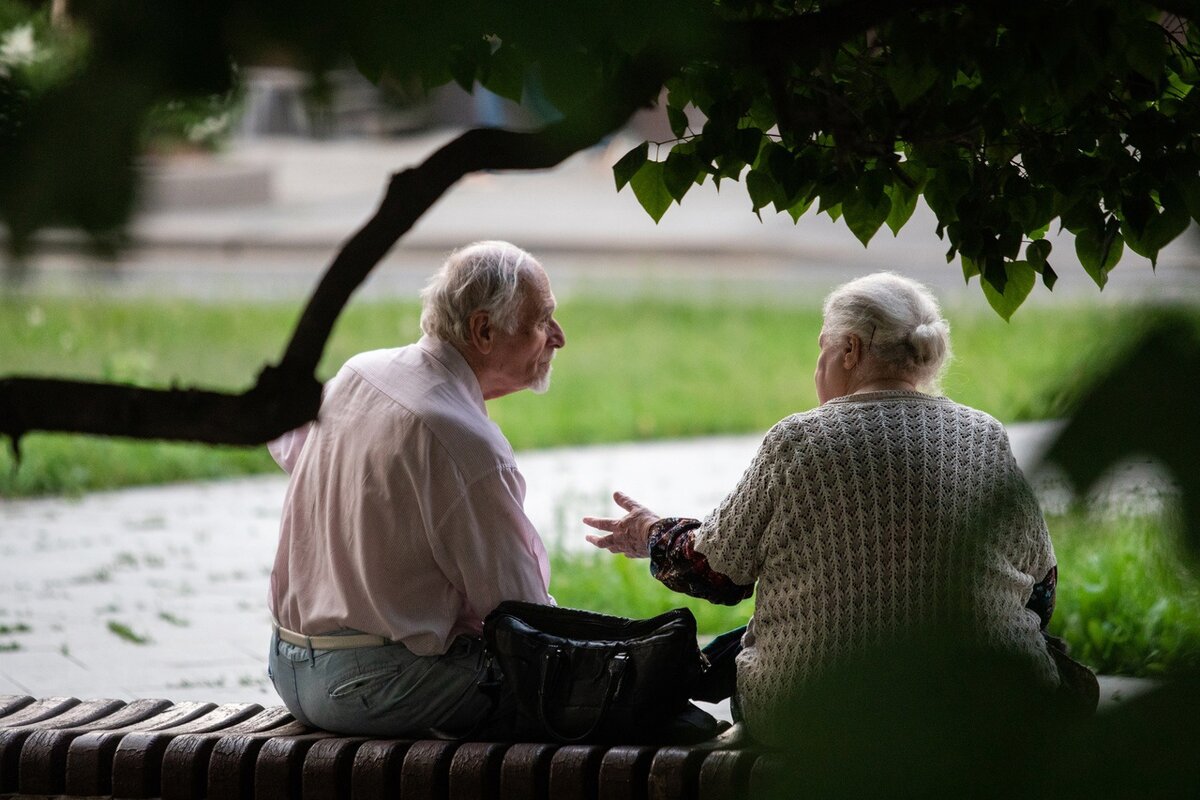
550, 659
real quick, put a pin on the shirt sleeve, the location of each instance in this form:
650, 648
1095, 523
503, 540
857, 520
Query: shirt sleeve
286, 449
675, 562
731, 536
489, 549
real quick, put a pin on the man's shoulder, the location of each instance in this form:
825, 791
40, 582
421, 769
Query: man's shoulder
467, 437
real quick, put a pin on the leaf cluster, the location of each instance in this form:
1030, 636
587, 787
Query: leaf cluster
69, 145
1004, 116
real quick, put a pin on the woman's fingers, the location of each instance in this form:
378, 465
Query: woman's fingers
626, 502
608, 543
602, 523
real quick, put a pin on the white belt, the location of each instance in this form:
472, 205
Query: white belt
346, 642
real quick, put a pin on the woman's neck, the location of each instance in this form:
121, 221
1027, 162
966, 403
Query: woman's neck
885, 385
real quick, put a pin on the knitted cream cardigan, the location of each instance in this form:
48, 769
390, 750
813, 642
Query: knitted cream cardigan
871, 514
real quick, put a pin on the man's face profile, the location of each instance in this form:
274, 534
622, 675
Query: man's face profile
523, 357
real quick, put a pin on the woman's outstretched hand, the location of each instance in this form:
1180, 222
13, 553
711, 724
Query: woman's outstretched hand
630, 534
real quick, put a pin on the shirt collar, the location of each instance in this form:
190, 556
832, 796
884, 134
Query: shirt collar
448, 356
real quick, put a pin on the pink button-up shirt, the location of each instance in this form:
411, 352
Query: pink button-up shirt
404, 516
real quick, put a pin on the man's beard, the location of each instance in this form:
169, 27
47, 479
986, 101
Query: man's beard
541, 384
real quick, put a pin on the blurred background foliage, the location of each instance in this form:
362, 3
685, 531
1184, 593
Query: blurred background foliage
1005, 117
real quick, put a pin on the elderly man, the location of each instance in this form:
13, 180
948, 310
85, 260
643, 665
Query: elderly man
403, 524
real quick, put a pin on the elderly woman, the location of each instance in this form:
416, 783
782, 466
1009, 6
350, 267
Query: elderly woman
859, 519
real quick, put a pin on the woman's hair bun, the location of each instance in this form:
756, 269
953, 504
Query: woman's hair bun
929, 340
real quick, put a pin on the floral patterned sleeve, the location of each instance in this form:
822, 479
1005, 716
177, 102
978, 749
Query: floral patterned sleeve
675, 562
1041, 602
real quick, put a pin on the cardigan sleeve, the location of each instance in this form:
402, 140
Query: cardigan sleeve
731, 537
675, 562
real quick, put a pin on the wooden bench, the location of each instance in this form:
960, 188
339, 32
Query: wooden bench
153, 748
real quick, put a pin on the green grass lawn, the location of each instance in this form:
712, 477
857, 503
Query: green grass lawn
1126, 604
639, 369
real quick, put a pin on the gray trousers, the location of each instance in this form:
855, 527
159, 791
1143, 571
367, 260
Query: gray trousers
388, 691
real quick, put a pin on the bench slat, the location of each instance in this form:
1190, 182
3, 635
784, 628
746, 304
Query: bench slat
525, 772
767, 777
675, 773
624, 773
378, 765
37, 711
136, 767
279, 768
190, 751
328, 768
185, 760
71, 714
575, 771
232, 761
725, 774
44, 755
90, 756
475, 770
12, 702
426, 771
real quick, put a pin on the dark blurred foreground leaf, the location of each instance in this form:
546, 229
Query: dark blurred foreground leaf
928, 717
1144, 406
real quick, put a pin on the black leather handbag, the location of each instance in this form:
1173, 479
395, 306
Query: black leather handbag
579, 676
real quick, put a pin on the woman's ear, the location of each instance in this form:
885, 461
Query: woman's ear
479, 331
853, 352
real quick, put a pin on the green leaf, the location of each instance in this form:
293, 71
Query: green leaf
650, 190
506, 73
1146, 49
1036, 252
745, 143
944, 190
1188, 186
1172, 221
969, 268
678, 120
762, 188
909, 82
630, 163
1019, 282
1099, 251
864, 217
1161, 228
904, 203
679, 172
464, 64
796, 210
1049, 276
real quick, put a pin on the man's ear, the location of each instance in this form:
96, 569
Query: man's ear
852, 352
479, 331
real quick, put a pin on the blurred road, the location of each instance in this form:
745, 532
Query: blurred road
591, 238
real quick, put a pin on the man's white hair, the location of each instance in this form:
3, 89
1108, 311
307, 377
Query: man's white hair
899, 323
483, 276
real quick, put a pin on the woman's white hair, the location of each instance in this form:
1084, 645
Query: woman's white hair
483, 276
900, 325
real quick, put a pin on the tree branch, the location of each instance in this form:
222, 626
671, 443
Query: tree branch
287, 395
